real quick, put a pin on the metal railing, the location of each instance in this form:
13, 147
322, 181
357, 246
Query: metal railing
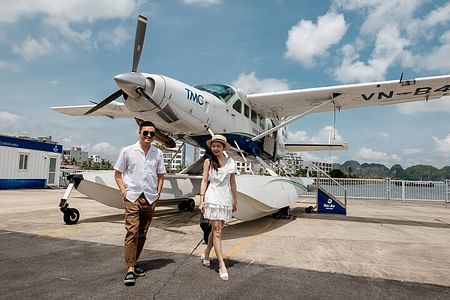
330, 184
388, 189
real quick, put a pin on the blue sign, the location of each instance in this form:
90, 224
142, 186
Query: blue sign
328, 204
9, 141
10, 184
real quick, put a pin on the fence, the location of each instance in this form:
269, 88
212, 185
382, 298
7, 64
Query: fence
387, 189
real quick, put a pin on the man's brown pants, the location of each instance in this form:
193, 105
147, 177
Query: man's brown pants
138, 216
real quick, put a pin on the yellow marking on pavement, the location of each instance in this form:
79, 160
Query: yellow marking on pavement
60, 232
244, 242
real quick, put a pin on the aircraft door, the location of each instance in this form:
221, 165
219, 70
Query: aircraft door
269, 145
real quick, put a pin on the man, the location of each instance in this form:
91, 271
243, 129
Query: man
139, 174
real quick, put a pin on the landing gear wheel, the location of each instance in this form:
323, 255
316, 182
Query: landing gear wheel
182, 205
190, 205
71, 216
285, 211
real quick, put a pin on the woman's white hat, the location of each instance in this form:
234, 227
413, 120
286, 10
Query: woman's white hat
219, 138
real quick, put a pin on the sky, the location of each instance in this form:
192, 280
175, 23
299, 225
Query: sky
55, 53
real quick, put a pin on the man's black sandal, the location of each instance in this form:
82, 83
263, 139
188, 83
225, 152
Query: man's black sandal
138, 271
130, 279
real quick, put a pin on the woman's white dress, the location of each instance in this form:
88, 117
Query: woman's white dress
218, 197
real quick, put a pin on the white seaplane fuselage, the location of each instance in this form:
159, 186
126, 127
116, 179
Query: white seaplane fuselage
257, 195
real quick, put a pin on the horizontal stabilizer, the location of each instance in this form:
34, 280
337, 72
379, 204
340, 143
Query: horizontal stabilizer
315, 147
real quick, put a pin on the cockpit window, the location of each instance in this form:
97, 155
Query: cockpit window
221, 91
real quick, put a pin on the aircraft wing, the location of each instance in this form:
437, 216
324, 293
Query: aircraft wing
294, 102
112, 110
314, 147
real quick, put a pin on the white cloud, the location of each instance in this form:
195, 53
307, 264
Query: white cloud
308, 156
115, 38
202, 2
412, 151
437, 58
308, 41
10, 123
367, 154
413, 32
440, 15
71, 11
381, 13
324, 136
31, 48
443, 145
299, 136
82, 38
437, 105
54, 82
389, 47
384, 135
6, 66
61, 15
104, 148
252, 84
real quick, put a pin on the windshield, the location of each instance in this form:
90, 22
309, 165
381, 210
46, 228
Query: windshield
221, 91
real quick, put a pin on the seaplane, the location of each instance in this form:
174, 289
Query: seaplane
254, 124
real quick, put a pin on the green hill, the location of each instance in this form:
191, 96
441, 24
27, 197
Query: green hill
353, 168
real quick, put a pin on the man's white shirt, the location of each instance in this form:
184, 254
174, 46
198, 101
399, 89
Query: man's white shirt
140, 172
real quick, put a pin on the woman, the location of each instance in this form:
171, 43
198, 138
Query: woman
218, 199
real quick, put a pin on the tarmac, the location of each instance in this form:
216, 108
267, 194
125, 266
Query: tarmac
380, 250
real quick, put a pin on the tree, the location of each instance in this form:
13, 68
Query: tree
349, 171
336, 173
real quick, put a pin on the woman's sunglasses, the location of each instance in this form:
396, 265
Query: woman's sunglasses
146, 133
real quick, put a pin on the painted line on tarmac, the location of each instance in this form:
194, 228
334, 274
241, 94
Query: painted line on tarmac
56, 233
244, 242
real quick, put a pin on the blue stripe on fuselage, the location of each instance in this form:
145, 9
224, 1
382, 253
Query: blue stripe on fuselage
244, 141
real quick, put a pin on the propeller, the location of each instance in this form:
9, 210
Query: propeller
138, 45
139, 41
106, 101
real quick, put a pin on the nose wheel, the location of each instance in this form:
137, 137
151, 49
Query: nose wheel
71, 216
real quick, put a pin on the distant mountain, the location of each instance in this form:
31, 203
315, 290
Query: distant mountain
353, 168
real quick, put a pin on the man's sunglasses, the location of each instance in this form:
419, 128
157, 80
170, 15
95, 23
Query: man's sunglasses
146, 133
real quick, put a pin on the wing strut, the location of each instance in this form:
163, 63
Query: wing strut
242, 154
285, 123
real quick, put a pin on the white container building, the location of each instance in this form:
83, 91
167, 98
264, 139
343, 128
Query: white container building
29, 163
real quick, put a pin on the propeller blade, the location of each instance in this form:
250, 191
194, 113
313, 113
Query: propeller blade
139, 41
107, 100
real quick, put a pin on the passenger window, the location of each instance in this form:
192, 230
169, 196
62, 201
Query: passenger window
254, 117
246, 110
238, 106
